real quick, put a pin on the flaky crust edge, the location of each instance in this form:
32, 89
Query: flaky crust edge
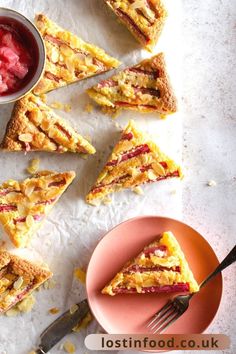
13, 127
169, 100
22, 267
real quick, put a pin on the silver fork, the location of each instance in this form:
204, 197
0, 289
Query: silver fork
177, 306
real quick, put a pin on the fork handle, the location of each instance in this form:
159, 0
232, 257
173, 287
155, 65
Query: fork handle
229, 259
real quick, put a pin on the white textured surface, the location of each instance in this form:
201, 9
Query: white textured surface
209, 153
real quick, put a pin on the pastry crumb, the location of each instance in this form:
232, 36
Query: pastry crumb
56, 105
61, 106
43, 98
107, 201
49, 284
88, 108
73, 308
67, 107
12, 312
117, 125
162, 115
27, 304
84, 323
173, 191
54, 310
80, 275
60, 346
84, 156
113, 112
32, 352
138, 190
95, 202
211, 183
33, 166
69, 347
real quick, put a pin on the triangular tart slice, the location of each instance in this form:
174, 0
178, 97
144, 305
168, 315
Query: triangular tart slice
144, 18
135, 160
69, 58
144, 87
36, 127
18, 278
24, 205
160, 267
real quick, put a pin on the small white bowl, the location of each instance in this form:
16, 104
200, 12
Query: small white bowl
12, 14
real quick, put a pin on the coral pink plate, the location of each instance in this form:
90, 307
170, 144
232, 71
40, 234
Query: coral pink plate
128, 314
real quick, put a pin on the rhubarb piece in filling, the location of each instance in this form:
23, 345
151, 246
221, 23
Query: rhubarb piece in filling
18, 278
36, 127
69, 58
144, 87
135, 160
24, 205
144, 18
159, 267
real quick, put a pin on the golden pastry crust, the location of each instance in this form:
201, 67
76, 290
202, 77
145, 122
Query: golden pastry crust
69, 58
144, 18
23, 205
18, 278
144, 87
161, 266
4, 258
36, 127
135, 160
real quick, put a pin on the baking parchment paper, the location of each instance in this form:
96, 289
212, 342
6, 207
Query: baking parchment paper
73, 229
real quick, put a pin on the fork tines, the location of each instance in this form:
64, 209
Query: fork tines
163, 318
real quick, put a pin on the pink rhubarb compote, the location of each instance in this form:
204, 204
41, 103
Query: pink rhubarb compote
18, 56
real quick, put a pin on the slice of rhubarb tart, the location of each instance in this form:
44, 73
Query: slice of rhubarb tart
135, 160
18, 278
144, 18
36, 127
69, 58
24, 205
160, 267
144, 87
